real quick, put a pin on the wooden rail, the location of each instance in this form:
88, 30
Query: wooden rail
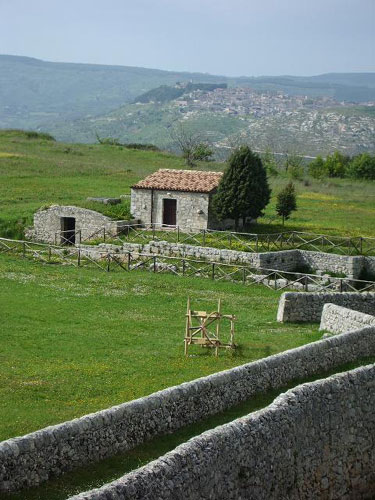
184, 267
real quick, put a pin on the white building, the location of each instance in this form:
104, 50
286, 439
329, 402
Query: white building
178, 198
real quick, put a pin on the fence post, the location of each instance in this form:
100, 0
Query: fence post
204, 237
361, 245
306, 284
79, 257
108, 262
154, 259
178, 234
49, 254
213, 270
104, 234
129, 259
153, 232
340, 285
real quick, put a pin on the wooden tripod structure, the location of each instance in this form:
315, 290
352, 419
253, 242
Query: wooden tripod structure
198, 331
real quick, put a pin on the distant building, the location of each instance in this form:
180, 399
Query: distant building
178, 198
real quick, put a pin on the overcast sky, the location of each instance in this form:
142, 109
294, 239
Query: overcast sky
227, 37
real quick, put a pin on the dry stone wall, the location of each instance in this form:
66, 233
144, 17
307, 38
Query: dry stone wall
29, 460
336, 319
288, 260
299, 306
315, 441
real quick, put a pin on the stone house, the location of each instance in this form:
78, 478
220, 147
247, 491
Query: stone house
180, 198
70, 225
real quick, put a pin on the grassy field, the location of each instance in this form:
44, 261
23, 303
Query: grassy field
78, 340
37, 172
96, 475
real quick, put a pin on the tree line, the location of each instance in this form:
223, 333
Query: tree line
361, 166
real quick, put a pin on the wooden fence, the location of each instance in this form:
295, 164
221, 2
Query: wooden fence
248, 242
183, 267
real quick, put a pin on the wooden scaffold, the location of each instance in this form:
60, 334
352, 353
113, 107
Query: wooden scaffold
203, 329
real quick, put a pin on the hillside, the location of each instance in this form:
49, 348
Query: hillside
35, 93
48, 96
36, 171
282, 122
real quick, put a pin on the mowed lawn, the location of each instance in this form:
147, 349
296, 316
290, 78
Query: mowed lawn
75, 341
35, 172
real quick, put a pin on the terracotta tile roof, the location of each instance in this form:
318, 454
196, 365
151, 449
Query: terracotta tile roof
181, 180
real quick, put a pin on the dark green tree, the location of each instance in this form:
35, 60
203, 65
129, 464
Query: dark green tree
336, 164
243, 191
317, 168
286, 201
362, 167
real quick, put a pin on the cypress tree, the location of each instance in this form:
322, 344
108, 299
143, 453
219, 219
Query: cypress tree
286, 201
243, 191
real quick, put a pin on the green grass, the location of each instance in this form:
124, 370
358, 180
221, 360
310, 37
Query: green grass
79, 340
37, 172
110, 469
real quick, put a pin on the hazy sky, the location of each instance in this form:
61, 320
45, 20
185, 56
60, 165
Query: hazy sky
231, 37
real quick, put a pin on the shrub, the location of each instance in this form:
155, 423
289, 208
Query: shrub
362, 167
32, 134
317, 168
295, 172
336, 164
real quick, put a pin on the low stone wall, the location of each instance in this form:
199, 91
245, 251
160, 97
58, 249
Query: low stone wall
299, 306
350, 266
31, 459
286, 260
315, 441
337, 319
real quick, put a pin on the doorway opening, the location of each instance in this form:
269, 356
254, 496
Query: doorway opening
68, 230
169, 212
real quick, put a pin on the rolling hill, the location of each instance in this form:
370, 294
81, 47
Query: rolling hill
76, 101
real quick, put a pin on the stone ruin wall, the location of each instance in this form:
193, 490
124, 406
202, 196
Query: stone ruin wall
315, 441
287, 260
47, 224
31, 459
337, 319
300, 306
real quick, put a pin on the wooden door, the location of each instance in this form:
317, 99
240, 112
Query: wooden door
169, 212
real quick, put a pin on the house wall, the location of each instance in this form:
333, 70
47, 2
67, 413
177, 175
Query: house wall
194, 210
47, 223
